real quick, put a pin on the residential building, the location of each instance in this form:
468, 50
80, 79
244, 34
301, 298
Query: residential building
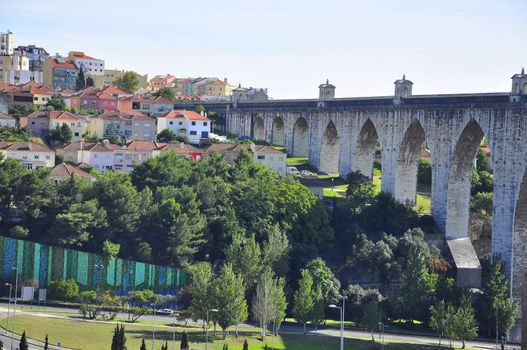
113, 91
34, 93
60, 73
6, 43
92, 99
127, 125
36, 55
266, 155
147, 104
66, 171
241, 94
99, 156
161, 81
40, 123
14, 69
93, 67
217, 87
111, 74
192, 124
32, 154
135, 153
6, 120
184, 149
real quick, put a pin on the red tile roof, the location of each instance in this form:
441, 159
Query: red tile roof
112, 90
69, 170
92, 146
80, 54
125, 116
61, 115
23, 146
146, 99
189, 115
68, 64
5, 116
144, 146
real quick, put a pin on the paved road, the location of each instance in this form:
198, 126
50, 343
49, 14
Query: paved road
432, 340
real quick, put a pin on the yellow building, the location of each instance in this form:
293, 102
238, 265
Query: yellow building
111, 74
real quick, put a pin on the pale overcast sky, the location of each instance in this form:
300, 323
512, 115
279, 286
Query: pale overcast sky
291, 46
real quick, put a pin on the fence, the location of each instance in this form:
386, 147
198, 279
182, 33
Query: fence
40, 264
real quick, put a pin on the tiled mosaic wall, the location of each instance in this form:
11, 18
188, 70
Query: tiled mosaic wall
43, 264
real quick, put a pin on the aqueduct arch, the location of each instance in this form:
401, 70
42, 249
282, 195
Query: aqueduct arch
301, 138
258, 129
364, 152
278, 135
459, 180
408, 163
330, 149
520, 238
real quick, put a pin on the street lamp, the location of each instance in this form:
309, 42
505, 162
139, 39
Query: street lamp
154, 326
207, 329
381, 329
341, 309
99, 268
8, 307
14, 308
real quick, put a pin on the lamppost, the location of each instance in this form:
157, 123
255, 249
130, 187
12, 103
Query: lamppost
99, 268
8, 307
14, 308
207, 329
333, 306
381, 329
175, 314
154, 326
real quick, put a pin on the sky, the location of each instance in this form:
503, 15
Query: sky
290, 46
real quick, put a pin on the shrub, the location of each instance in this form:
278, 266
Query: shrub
64, 289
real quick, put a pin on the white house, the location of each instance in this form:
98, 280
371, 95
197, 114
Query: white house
99, 156
32, 154
192, 124
6, 120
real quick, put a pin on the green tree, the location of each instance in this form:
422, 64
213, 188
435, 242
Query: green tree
464, 325
128, 82
371, 317
78, 223
110, 251
166, 135
269, 302
64, 289
424, 171
89, 81
324, 279
200, 289
80, 82
496, 298
143, 345
166, 92
56, 102
245, 256
46, 343
438, 317
317, 314
483, 203
23, 342
417, 286
245, 345
184, 341
228, 294
60, 135
11, 176
360, 191
303, 299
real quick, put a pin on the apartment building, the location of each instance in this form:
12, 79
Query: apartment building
127, 125
189, 123
60, 73
32, 154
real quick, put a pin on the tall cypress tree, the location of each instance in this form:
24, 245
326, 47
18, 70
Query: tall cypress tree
46, 344
80, 83
115, 338
245, 345
122, 339
184, 341
143, 345
23, 342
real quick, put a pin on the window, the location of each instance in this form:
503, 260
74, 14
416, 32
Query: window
72, 124
147, 125
171, 123
193, 123
76, 134
30, 166
193, 132
180, 123
261, 157
37, 156
95, 155
35, 98
204, 123
204, 134
32, 123
48, 157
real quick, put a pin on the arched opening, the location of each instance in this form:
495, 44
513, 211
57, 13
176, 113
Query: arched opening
459, 181
365, 150
408, 164
258, 129
278, 132
301, 138
330, 150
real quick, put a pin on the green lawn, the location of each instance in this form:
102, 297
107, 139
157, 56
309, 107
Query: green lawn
95, 336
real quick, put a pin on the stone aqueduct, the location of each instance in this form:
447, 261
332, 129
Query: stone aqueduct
341, 134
